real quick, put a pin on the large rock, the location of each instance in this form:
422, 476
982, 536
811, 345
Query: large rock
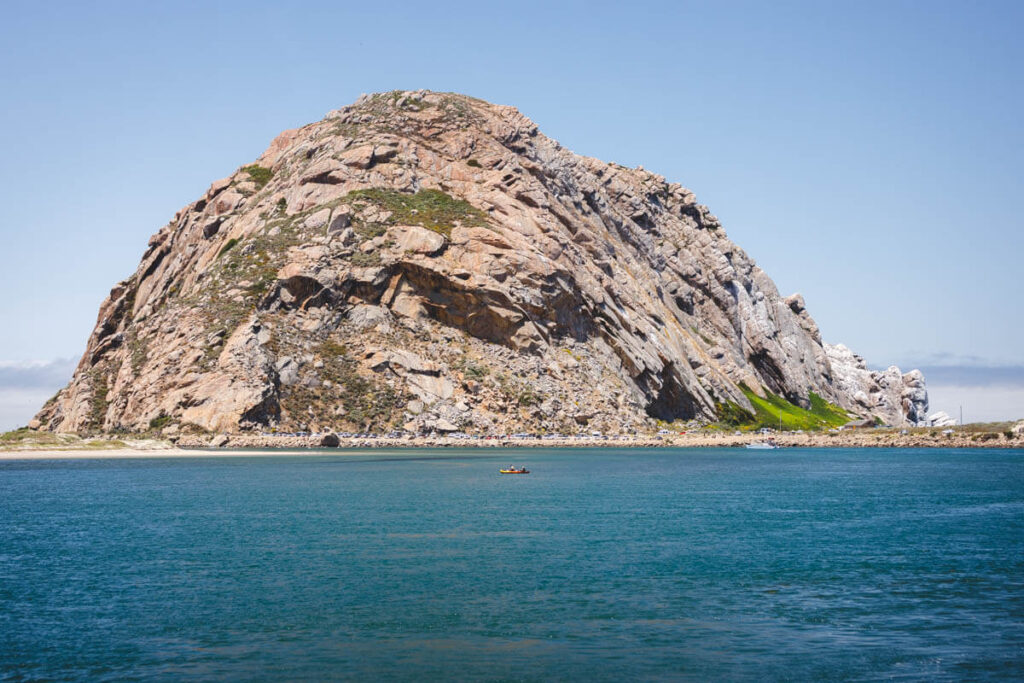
435, 248
939, 419
417, 240
422, 377
895, 397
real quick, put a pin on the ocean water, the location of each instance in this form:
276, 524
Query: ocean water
599, 565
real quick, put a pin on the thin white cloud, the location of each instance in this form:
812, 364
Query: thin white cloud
51, 374
980, 404
1005, 376
968, 374
26, 385
18, 406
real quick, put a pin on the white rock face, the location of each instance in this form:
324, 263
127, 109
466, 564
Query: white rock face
939, 419
897, 398
1019, 427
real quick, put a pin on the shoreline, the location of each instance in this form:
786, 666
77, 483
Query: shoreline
847, 439
257, 446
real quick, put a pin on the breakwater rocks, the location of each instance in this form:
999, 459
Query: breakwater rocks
844, 439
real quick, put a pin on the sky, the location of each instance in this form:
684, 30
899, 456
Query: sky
865, 154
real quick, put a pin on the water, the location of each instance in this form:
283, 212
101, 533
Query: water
601, 564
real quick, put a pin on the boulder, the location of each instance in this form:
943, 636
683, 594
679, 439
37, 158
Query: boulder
422, 377
347, 237
330, 440
317, 219
443, 425
358, 157
341, 219
940, 419
287, 371
416, 240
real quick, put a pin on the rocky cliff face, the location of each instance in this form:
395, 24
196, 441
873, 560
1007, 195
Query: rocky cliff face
889, 394
433, 261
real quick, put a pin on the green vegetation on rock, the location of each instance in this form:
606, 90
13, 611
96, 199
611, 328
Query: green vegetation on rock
734, 415
30, 439
243, 275
830, 413
102, 444
261, 176
227, 246
431, 209
158, 423
365, 402
99, 403
704, 338
331, 349
25, 437
139, 350
822, 414
364, 260
388, 112
767, 411
517, 391
472, 370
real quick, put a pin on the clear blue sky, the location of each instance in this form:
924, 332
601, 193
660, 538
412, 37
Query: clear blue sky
866, 154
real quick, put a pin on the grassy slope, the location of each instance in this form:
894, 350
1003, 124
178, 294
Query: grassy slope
432, 209
27, 439
821, 415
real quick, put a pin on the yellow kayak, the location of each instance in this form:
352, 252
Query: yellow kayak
521, 470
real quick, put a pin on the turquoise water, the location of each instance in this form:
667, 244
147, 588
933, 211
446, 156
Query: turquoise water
601, 564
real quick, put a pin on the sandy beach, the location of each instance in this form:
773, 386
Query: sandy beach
89, 454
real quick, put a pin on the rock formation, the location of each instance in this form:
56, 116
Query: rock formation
433, 262
938, 419
891, 395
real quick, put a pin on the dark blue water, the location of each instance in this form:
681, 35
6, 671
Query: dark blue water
601, 564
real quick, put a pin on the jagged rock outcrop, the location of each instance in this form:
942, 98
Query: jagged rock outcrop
895, 397
938, 419
433, 261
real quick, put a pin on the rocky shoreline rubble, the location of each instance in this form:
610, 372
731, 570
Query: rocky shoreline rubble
37, 442
240, 445
844, 439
